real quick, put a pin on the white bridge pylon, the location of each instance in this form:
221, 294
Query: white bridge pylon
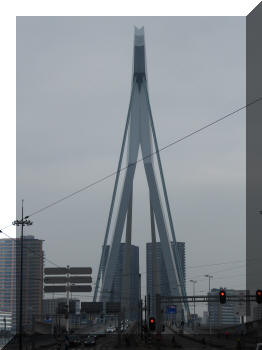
140, 131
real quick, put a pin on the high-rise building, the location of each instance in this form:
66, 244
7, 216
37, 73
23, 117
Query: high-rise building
118, 292
163, 287
8, 276
33, 258
223, 314
10, 263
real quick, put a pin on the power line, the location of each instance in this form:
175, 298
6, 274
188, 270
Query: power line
148, 156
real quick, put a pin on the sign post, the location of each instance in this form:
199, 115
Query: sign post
65, 280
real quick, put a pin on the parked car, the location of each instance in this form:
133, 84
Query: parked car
110, 329
89, 341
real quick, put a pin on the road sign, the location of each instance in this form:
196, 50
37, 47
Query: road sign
55, 280
54, 289
64, 279
70, 270
70, 283
92, 307
112, 307
171, 309
80, 279
80, 289
80, 270
55, 271
73, 289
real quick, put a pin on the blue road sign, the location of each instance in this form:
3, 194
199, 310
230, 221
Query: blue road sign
171, 309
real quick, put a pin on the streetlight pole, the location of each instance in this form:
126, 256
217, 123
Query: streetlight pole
209, 278
194, 293
23, 222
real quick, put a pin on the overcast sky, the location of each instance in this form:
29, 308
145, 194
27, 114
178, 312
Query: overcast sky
73, 90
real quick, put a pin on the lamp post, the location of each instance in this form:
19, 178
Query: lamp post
194, 293
209, 278
23, 222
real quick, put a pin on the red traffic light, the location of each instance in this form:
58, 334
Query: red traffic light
222, 296
152, 323
259, 296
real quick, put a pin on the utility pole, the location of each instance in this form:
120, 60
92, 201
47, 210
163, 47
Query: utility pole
23, 222
209, 278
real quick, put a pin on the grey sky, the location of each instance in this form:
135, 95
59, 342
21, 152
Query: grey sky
73, 89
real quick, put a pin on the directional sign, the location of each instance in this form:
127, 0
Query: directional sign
171, 309
64, 279
91, 307
80, 270
56, 271
65, 270
62, 289
56, 280
113, 307
80, 279
80, 289
54, 289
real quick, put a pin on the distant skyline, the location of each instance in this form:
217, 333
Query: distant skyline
73, 89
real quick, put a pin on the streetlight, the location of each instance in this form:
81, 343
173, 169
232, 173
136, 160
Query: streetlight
194, 285
23, 222
209, 278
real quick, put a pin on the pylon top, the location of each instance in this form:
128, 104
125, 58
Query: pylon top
139, 53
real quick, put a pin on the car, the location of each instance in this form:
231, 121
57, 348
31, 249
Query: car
259, 346
110, 330
89, 341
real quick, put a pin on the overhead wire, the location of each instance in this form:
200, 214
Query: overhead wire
148, 156
131, 164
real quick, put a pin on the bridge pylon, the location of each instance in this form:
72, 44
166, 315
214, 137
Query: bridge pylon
140, 133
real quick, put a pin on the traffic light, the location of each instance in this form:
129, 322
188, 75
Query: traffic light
259, 296
152, 323
222, 296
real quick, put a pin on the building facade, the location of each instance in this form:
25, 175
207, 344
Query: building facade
10, 272
163, 284
33, 261
117, 294
8, 277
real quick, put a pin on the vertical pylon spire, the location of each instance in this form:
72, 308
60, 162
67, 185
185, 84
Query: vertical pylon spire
140, 132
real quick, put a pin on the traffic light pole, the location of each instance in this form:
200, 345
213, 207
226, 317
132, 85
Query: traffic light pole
158, 314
